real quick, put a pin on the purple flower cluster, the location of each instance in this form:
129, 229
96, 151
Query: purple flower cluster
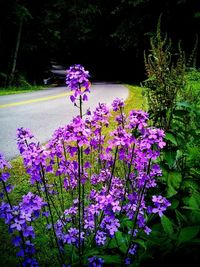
160, 205
4, 176
117, 171
77, 80
19, 219
95, 262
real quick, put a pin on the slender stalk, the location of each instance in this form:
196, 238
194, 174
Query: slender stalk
121, 113
135, 219
64, 149
57, 212
79, 204
61, 187
51, 216
38, 189
129, 172
80, 106
8, 199
83, 196
137, 211
109, 185
81, 171
99, 149
113, 169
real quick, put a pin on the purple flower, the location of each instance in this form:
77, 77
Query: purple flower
110, 224
161, 204
3, 163
120, 137
138, 119
128, 261
132, 250
23, 134
100, 238
78, 82
117, 104
95, 262
72, 236
4, 177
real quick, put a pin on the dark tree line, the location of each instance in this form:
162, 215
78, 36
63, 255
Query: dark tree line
107, 36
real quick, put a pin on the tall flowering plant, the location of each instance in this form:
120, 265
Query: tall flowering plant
96, 193
77, 79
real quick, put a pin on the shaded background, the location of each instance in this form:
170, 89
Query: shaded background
107, 36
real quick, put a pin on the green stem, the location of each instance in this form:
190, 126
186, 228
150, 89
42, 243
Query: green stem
61, 188
121, 113
79, 203
113, 169
99, 149
137, 211
129, 172
4, 187
80, 106
135, 220
51, 216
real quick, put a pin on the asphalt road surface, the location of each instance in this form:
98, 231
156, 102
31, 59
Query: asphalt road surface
44, 111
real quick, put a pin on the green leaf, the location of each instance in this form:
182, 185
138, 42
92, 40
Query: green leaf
193, 202
187, 234
141, 242
171, 191
180, 217
174, 204
167, 225
127, 223
113, 243
91, 252
181, 113
111, 259
183, 104
170, 157
174, 179
170, 137
121, 242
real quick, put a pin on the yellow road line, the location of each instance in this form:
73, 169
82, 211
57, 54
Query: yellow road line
34, 100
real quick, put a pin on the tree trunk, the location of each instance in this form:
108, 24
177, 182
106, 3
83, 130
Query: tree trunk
14, 60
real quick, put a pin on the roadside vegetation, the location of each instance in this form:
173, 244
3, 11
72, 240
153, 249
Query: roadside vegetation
20, 179
20, 89
121, 188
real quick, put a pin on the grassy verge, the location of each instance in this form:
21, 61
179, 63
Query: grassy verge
20, 179
135, 99
19, 90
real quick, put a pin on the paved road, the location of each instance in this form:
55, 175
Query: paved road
44, 111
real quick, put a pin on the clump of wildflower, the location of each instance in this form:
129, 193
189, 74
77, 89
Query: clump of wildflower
4, 176
23, 134
78, 82
3, 162
95, 262
117, 104
160, 205
118, 173
19, 219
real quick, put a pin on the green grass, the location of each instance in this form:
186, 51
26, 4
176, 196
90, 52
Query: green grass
19, 90
20, 180
135, 100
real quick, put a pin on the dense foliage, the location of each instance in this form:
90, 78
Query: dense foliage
173, 98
